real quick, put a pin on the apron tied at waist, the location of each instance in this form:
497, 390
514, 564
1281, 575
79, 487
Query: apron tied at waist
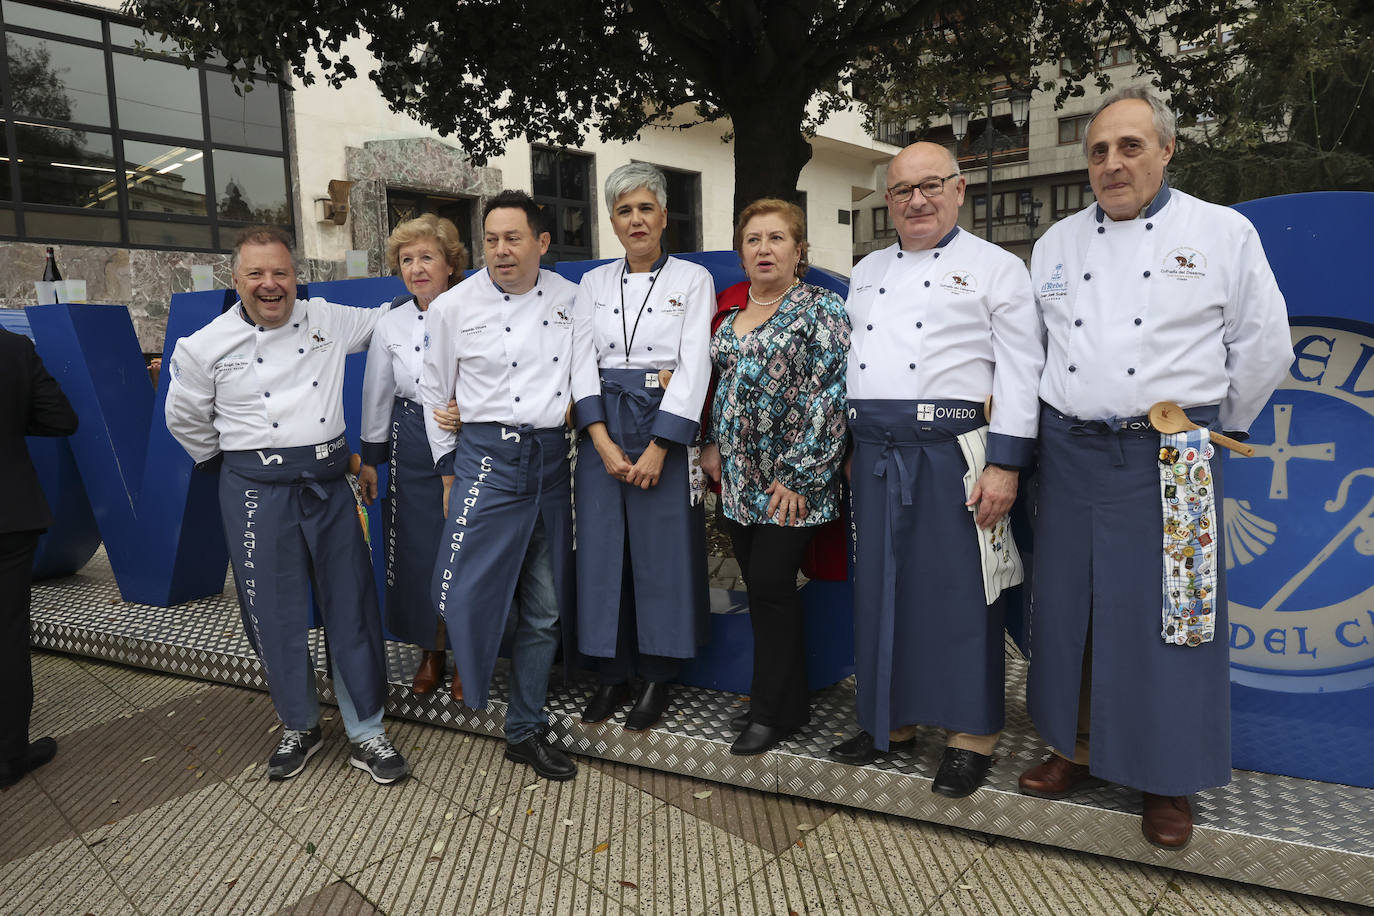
307, 466
619, 386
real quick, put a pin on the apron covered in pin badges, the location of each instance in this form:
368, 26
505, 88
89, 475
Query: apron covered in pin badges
291, 524
928, 647
505, 479
665, 526
1190, 537
1160, 713
414, 525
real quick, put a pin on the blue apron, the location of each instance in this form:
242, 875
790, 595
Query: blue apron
505, 478
414, 525
291, 522
1160, 713
667, 536
928, 648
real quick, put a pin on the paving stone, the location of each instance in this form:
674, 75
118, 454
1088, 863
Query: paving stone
1194, 895
762, 818
228, 728
31, 821
68, 697
144, 689
898, 864
113, 771
564, 820
469, 866
675, 863
471, 770
208, 852
65, 878
781, 887
337, 899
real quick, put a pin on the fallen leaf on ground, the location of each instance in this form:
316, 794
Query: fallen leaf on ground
494, 811
805, 827
437, 848
231, 882
832, 855
966, 887
602, 847
146, 759
310, 848
300, 810
172, 713
114, 801
629, 884
569, 822
533, 785
705, 794
449, 816
800, 844
274, 728
529, 810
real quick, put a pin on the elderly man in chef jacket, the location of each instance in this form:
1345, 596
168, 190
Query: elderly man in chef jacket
942, 319
1149, 295
259, 392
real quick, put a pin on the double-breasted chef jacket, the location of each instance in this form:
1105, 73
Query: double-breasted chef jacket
507, 360
393, 433
934, 333
627, 327
271, 400
1179, 304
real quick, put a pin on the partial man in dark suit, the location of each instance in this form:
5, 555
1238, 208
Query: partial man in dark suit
31, 404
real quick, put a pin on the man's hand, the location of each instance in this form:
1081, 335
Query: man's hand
367, 482
787, 507
646, 471
993, 494
448, 419
710, 461
448, 485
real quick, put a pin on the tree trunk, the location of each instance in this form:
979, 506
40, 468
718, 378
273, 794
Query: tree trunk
770, 150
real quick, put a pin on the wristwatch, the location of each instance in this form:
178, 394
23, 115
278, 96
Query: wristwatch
1005, 467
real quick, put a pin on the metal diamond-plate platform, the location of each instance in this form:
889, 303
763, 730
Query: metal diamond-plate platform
1293, 834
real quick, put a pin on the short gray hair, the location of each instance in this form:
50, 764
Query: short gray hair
632, 177
1162, 115
263, 235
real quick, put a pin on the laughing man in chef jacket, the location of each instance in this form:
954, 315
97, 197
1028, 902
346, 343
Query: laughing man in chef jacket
941, 320
258, 392
1148, 295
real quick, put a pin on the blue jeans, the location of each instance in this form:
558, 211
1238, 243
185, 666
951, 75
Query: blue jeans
357, 730
535, 610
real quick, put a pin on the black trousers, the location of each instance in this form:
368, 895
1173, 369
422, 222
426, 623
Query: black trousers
16, 674
769, 558
628, 660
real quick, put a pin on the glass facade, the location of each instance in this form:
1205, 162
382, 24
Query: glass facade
106, 143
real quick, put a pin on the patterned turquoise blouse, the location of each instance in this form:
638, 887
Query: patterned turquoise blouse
779, 409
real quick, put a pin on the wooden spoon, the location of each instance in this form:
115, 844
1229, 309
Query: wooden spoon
1168, 417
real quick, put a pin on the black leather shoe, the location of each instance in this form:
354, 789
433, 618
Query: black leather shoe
607, 699
549, 762
757, 738
34, 756
653, 703
961, 773
859, 750
739, 722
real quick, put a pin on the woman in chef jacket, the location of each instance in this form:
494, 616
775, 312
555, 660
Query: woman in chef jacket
641, 333
430, 257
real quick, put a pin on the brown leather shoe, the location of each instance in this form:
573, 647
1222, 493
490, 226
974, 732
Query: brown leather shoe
457, 689
1055, 778
1168, 820
430, 674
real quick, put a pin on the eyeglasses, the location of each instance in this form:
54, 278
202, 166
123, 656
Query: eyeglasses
931, 187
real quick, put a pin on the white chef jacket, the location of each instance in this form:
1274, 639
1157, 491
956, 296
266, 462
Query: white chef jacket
506, 358
1179, 304
393, 367
237, 386
663, 316
953, 322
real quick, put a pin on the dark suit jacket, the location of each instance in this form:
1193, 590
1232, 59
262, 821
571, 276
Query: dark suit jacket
31, 404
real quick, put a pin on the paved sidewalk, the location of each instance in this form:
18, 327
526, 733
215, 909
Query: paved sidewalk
157, 803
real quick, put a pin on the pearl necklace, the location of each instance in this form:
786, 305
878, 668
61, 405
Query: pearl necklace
771, 301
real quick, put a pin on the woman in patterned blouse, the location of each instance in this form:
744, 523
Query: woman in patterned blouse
778, 432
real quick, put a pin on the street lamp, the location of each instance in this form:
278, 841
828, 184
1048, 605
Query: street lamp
1033, 216
958, 120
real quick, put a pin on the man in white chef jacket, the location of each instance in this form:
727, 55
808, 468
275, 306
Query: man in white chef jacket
941, 320
258, 392
500, 344
1146, 296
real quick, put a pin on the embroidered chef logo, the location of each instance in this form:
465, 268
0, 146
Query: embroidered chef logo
1054, 287
561, 316
318, 341
1299, 521
231, 363
676, 304
1184, 264
959, 281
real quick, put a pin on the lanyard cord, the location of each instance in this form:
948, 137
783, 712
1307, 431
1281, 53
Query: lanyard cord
627, 335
